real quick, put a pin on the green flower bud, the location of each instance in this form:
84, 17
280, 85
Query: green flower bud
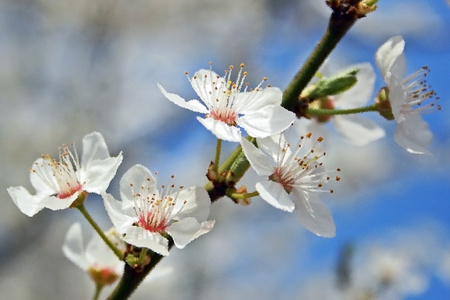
334, 85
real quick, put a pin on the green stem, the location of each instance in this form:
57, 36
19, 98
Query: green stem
338, 26
98, 289
332, 112
217, 158
132, 278
240, 164
229, 161
142, 255
100, 232
244, 196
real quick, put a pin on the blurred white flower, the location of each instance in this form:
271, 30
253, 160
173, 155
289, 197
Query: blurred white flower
145, 215
97, 258
59, 183
392, 272
407, 96
287, 176
354, 129
230, 104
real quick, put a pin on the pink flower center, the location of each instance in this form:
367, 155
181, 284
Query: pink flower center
154, 210
151, 222
226, 115
284, 178
70, 191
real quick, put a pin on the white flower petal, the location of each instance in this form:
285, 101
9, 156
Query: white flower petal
258, 160
208, 86
193, 105
43, 180
137, 176
313, 214
397, 96
274, 194
120, 220
142, 238
358, 131
73, 247
249, 102
413, 134
221, 130
271, 145
188, 229
55, 203
389, 53
99, 174
27, 203
361, 92
193, 202
94, 148
267, 121
99, 254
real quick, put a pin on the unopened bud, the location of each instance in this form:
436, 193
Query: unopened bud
334, 85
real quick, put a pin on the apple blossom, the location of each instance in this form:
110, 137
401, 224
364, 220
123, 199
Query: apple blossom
290, 181
97, 258
230, 104
407, 96
59, 183
145, 215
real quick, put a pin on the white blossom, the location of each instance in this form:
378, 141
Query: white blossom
145, 215
58, 183
96, 258
227, 105
291, 182
407, 96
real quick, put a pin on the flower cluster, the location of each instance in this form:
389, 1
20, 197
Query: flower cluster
150, 219
144, 218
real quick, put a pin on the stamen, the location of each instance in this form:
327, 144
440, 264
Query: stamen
154, 210
221, 95
60, 176
305, 172
417, 92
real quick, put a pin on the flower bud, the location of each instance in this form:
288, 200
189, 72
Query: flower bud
334, 85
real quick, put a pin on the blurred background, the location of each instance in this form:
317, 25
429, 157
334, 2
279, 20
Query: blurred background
68, 68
